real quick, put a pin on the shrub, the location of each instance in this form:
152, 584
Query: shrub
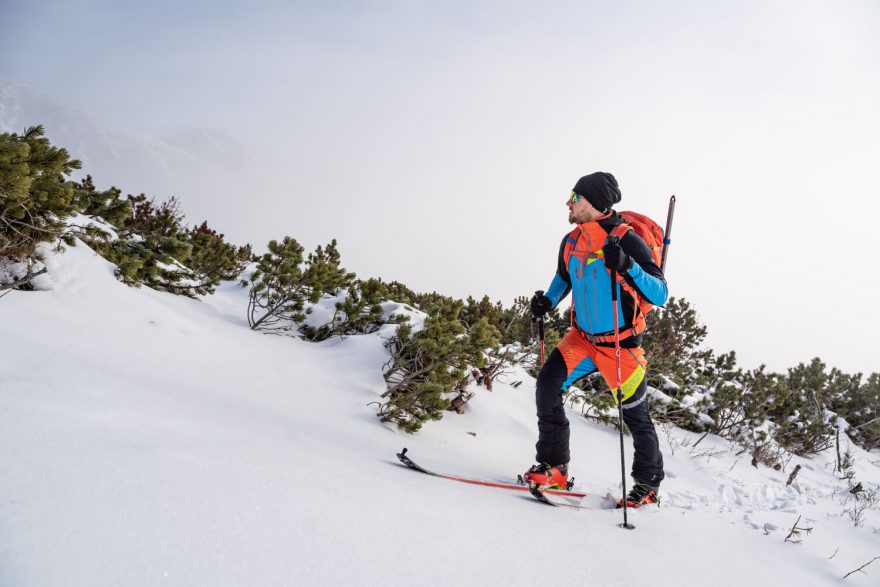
281, 284
431, 363
35, 202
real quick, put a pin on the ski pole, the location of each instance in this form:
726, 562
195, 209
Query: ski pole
667, 235
540, 321
626, 524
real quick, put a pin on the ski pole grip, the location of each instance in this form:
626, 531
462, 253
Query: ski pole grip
613, 240
539, 319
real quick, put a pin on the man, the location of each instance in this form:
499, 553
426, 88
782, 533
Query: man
586, 258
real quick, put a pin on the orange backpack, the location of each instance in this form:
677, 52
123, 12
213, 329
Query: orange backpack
646, 228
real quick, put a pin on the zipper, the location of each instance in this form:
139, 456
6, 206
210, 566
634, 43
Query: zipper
577, 269
579, 297
593, 271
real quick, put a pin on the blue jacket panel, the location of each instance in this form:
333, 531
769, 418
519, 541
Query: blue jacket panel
589, 281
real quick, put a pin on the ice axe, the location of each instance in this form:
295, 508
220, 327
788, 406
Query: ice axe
667, 235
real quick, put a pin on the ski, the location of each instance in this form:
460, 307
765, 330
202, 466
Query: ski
413, 465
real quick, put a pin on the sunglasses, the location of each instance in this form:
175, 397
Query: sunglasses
575, 197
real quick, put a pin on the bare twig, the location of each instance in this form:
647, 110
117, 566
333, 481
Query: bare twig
867, 423
859, 570
837, 442
26, 279
793, 475
796, 532
705, 434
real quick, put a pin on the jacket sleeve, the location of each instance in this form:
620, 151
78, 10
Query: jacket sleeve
644, 275
561, 284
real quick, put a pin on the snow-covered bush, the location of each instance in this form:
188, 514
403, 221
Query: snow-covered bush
283, 282
427, 365
148, 242
358, 311
150, 245
35, 202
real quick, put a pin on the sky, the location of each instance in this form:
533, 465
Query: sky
437, 141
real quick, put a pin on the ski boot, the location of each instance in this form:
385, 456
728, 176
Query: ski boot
640, 495
544, 476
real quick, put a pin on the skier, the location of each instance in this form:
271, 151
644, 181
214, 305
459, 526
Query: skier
586, 258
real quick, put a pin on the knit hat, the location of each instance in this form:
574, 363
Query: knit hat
600, 189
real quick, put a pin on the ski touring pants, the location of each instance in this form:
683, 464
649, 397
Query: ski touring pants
575, 357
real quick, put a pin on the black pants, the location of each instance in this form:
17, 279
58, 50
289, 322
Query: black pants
553, 430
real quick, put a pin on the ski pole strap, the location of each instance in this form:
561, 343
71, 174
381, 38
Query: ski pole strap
539, 319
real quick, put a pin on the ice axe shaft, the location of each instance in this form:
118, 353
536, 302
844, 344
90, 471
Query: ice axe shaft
667, 234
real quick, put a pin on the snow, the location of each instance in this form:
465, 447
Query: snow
154, 439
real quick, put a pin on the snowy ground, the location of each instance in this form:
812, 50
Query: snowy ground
151, 439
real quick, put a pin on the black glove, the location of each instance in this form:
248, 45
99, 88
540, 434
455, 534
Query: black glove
541, 304
616, 259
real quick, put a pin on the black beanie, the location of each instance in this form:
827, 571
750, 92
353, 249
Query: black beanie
600, 189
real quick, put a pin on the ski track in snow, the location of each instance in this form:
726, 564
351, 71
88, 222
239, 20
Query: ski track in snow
150, 439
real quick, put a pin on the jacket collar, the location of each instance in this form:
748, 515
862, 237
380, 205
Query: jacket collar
607, 222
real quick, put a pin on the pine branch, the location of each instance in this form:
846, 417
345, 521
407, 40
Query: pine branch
877, 419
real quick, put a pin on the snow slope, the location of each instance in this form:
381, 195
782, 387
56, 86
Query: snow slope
152, 439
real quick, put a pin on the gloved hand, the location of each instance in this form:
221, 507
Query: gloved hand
616, 259
541, 304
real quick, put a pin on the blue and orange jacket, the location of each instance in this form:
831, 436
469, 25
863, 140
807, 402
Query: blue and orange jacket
589, 281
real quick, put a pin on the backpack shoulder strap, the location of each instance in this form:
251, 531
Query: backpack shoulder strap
570, 243
620, 230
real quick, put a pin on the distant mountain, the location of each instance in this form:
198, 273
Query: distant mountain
206, 169
111, 155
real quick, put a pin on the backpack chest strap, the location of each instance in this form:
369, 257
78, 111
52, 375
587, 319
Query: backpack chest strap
576, 245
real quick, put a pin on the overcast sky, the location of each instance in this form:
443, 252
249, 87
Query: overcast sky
437, 141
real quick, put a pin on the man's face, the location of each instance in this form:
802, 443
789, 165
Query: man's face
581, 211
